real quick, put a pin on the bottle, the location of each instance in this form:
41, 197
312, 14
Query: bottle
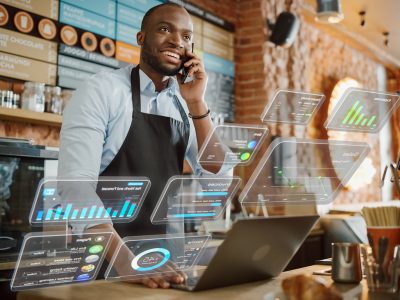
36, 102
27, 94
56, 101
47, 98
8, 99
15, 103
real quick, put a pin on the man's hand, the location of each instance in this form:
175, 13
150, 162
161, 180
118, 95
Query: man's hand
193, 91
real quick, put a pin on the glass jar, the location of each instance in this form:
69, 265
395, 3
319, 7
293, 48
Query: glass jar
33, 96
27, 94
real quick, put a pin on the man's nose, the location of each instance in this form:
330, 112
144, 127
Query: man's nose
176, 40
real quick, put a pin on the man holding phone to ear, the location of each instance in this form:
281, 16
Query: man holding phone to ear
143, 120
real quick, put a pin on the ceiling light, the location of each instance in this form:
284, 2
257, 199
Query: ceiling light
329, 11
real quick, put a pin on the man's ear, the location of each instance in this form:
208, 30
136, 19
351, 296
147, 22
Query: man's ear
140, 38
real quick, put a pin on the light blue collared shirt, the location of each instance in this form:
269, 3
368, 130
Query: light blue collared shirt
97, 120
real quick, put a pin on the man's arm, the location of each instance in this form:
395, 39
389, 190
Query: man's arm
193, 93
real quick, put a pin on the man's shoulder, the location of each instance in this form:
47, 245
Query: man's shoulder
118, 77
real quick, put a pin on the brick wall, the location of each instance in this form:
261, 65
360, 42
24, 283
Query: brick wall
315, 63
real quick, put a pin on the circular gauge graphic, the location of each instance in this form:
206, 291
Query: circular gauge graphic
252, 144
87, 268
245, 156
150, 259
96, 249
92, 258
83, 277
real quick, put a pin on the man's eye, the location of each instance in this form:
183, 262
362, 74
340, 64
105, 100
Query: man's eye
187, 37
164, 29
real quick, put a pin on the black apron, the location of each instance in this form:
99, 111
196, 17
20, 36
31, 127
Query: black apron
154, 147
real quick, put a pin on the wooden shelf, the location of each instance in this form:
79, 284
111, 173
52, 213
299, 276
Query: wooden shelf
27, 116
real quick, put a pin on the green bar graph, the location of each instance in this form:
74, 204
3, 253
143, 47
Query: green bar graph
356, 117
371, 120
350, 112
359, 119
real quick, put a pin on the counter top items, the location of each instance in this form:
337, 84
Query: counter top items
308, 288
259, 290
380, 258
346, 263
394, 168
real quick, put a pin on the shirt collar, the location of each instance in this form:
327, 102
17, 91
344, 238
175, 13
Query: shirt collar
146, 84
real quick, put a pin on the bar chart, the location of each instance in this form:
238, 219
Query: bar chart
63, 202
363, 111
84, 213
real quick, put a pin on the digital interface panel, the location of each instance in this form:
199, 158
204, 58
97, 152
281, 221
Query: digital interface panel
361, 110
191, 198
58, 258
292, 107
303, 171
232, 144
62, 201
142, 256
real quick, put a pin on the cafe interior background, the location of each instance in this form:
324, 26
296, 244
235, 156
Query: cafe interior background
246, 69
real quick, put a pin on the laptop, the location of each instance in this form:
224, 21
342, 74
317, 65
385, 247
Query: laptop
254, 249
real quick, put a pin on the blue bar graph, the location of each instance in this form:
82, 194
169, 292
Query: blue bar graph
58, 213
216, 204
99, 212
107, 214
83, 213
92, 211
39, 215
131, 210
67, 211
124, 208
48, 215
133, 183
194, 215
212, 193
74, 214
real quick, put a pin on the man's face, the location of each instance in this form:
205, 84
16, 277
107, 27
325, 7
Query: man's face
168, 33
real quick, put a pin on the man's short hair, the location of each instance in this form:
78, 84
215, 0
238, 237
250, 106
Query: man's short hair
148, 14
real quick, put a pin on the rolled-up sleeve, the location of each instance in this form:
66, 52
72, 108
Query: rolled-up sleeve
83, 134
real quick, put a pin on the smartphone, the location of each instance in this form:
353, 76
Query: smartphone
185, 70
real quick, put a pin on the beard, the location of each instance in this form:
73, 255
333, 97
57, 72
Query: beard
152, 59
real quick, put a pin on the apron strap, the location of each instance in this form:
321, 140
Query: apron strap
135, 86
184, 116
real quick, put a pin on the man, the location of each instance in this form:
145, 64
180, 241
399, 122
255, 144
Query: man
141, 121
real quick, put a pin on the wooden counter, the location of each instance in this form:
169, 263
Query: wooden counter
123, 291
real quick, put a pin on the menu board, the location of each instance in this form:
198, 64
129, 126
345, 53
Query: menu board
46, 8
28, 46
27, 69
